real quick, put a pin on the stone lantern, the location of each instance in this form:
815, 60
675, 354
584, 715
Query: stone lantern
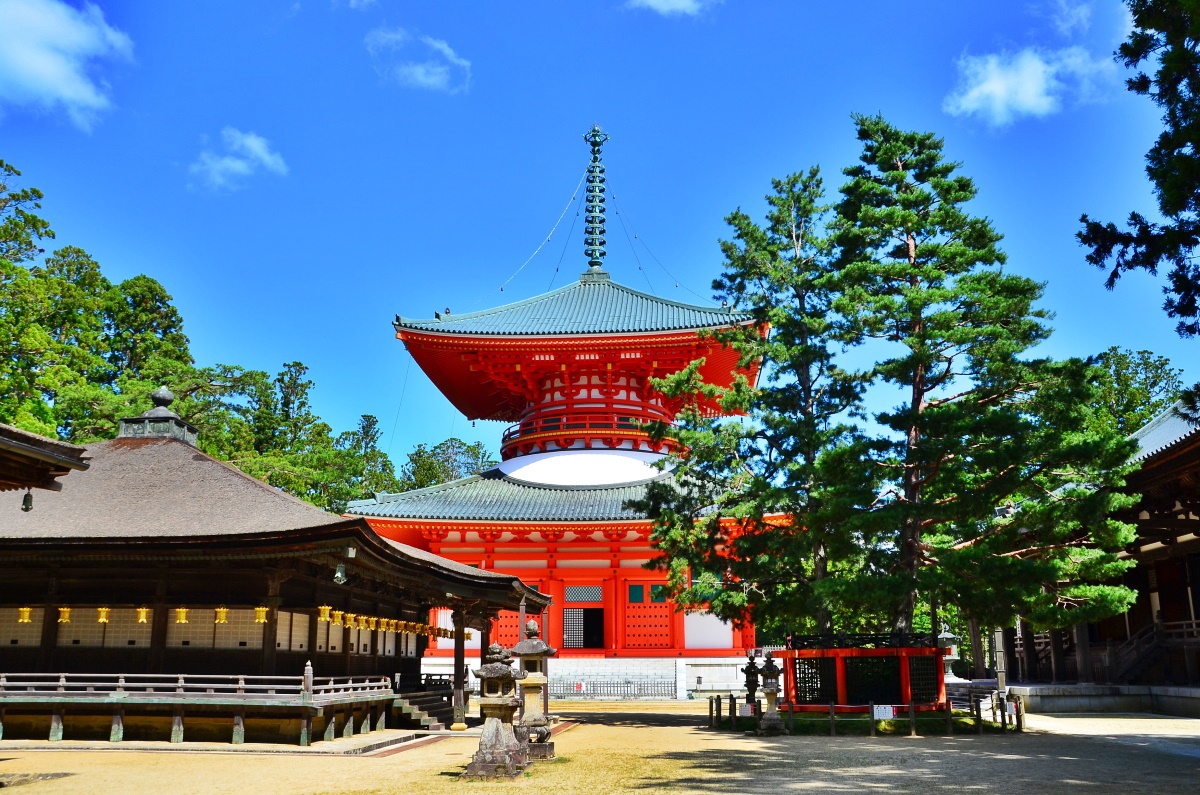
949, 641
533, 652
500, 752
771, 723
751, 671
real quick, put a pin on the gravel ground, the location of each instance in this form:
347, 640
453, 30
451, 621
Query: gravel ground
653, 748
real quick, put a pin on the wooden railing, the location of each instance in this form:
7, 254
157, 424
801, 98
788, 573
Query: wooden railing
579, 426
184, 687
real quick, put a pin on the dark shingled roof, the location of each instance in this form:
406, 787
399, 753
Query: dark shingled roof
28, 460
592, 305
156, 488
496, 496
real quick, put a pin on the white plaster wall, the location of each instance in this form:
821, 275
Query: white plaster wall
706, 631
582, 467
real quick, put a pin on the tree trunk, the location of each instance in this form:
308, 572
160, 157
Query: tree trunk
978, 662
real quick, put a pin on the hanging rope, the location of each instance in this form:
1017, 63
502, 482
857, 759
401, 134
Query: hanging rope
636, 258
561, 215
396, 422
566, 243
621, 213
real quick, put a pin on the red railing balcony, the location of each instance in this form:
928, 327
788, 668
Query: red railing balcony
563, 430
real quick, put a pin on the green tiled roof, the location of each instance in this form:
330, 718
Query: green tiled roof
592, 305
495, 496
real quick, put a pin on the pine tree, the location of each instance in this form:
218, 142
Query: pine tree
979, 424
1165, 34
752, 524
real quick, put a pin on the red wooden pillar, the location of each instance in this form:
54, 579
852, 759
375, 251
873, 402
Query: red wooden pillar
614, 616
840, 668
941, 675
905, 678
621, 600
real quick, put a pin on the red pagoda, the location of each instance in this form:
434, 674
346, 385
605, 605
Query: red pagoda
570, 371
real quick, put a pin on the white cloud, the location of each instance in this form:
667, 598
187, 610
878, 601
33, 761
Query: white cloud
418, 61
1001, 87
1070, 15
356, 4
672, 7
48, 53
245, 154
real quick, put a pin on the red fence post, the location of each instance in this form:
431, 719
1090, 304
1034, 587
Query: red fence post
905, 678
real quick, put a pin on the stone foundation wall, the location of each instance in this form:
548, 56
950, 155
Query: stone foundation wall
616, 677
1181, 701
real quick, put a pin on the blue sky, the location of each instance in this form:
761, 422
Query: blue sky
297, 173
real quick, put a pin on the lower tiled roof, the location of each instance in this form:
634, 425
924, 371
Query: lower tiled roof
496, 496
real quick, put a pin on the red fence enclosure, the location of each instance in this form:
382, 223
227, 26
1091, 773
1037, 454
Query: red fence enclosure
853, 678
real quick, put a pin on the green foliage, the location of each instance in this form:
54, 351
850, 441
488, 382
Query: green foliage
20, 228
445, 461
1132, 388
79, 353
810, 514
760, 500
1165, 36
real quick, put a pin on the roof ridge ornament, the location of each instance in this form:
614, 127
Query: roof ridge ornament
594, 230
159, 422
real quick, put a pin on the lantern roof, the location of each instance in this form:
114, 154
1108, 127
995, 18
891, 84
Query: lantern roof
593, 305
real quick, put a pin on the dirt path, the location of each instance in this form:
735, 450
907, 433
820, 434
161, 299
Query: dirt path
627, 748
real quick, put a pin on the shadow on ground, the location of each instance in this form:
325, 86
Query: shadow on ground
1032, 762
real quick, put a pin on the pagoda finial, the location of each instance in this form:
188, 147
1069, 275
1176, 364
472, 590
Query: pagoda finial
594, 231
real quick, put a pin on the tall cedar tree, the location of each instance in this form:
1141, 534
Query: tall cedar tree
1166, 36
753, 521
978, 425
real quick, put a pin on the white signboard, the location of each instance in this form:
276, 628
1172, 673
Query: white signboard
1011, 707
746, 710
884, 712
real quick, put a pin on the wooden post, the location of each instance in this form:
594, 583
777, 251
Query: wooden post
305, 730
1083, 655
979, 716
117, 733
949, 718
720, 703
906, 677
871, 716
330, 724
1003, 712
791, 713
732, 712
239, 728
1019, 718
710, 712
348, 728
832, 719
912, 719
460, 678
177, 725
56, 725
757, 715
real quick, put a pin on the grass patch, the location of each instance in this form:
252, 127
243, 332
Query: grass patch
816, 724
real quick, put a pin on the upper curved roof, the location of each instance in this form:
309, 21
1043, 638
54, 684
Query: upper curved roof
593, 305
